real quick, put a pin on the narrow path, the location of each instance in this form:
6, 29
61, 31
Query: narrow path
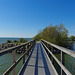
37, 64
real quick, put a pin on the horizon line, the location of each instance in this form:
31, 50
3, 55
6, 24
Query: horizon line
16, 37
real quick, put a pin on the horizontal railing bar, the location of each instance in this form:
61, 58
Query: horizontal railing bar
65, 50
2, 52
14, 64
50, 61
60, 64
23, 66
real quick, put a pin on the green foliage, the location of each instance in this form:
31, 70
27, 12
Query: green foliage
56, 34
38, 36
15, 41
9, 41
22, 40
72, 38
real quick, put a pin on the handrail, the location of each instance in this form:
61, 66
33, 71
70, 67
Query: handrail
65, 50
62, 66
49, 60
60, 63
28, 46
14, 64
2, 52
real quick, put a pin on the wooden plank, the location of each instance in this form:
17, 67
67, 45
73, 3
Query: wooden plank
37, 64
31, 65
41, 70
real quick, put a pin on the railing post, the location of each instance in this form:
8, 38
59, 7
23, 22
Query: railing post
24, 55
31, 43
13, 61
62, 61
27, 47
23, 59
51, 56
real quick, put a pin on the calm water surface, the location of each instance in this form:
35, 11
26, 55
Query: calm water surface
6, 61
3, 40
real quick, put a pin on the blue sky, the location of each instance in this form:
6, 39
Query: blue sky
25, 18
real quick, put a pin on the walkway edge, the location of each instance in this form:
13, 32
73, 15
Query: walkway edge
50, 62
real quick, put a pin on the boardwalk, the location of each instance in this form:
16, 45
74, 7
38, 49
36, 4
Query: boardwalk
40, 59
38, 63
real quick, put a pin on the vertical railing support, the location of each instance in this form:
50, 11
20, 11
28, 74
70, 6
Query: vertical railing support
13, 61
24, 55
62, 61
52, 57
24, 59
48, 46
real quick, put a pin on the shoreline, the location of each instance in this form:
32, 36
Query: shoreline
9, 45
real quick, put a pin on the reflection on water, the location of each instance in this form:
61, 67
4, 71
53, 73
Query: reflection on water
6, 62
70, 63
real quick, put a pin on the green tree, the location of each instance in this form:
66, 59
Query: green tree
72, 38
62, 35
38, 36
57, 34
50, 34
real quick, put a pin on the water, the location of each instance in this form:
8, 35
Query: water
6, 60
3, 40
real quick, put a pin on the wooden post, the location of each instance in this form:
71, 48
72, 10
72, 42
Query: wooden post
13, 61
48, 48
31, 43
51, 56
62, 61
24, 59
24, 55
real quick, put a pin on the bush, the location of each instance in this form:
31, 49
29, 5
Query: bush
72, 38
23, 40
15, 41
9, 41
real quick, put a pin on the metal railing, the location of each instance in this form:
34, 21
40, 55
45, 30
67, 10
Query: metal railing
50, 50
27, 47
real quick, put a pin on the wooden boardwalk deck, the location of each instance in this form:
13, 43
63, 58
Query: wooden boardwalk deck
38, 63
